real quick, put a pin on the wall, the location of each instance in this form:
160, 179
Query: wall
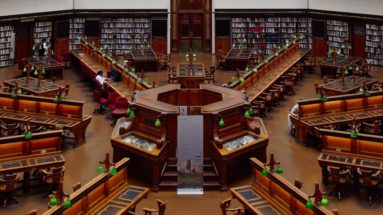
16, 7
371, 7
121, 4
260, 4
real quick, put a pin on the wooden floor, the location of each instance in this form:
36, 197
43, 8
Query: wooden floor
298, 161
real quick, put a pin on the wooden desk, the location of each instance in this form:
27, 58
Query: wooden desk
351, 85
238, 58
190, 76
66, 114
337, 110
144, 59
27, 163
46, 88
328, 67
347, 161
52, 67
105, 194
272, 194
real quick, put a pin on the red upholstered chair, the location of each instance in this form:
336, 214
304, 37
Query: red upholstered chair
101, 100
121, 106
112, 97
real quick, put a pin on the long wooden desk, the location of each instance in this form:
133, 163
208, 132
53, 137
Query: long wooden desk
328, 67
190, 76
337, 110
26, 163
31, 87
105, 194
52, 67
351, 85
144, 59
66, 114
272, 194
92, 61
347, 161
237, 58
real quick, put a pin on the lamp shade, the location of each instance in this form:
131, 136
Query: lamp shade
221, 123
128, 111
132, 115
43, 72
53, 201
36, 72
354, 134
113, 171
279, 170
246, 114
324, 201
138, 80
309, 204
25, 69
67, 203
100, 168
264, 172
157, 123
56, 99
28, 135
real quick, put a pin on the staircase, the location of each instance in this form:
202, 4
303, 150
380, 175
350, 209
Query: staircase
169, 176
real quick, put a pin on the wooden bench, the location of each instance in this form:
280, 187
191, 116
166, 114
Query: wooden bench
64, 114
272, 194
105, 194
337, 110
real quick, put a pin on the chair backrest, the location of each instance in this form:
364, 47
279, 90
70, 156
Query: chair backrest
224, 204
212, 70
11, 182
56, 175
97, 96
36, 128
112, 97
337, 175
122, 102
76, 186
298, 183
161, 206
66, 89
368, 178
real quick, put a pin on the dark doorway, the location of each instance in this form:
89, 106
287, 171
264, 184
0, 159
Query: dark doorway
23, 41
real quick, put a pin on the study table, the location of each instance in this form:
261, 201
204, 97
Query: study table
31, 86
52, 67
238, 58
190, 75
329, 67
144, 59
351, 85
27, 163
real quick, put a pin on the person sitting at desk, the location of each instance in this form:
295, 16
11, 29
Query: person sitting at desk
43, 47
293, 112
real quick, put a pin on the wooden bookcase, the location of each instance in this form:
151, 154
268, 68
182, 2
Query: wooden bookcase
374, 44
76, 32
6, 45
337, 34
42, 30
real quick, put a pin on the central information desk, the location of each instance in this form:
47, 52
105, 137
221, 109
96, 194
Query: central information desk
273, 195
144, 59
52, 67
351, 85
190, 76
238, 58
104, 195
31, 87
329, 67
337, 110
63, 114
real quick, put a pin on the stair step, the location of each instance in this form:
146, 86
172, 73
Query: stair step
170, 174
168, 185
209, 174
211, 184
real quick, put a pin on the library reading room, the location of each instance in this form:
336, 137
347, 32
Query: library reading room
191, 107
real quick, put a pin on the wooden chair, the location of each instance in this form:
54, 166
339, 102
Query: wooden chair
32, 212
53, 177
220, 59
369, 179
225, 207
338, 177
210, 75
164, 61
76, 186
160, 211
10, 129
8, 186
172, 75
372, 128
298, 183
66, 89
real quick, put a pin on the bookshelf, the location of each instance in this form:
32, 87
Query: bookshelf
304, 27
120, 35
374, 44
76, 32
239, 31
337, 35
6, 45
42, 30
272, 33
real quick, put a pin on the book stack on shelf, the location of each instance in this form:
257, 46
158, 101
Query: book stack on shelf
76, 32
374, 44
304, 27
42, 30
6, 45
255, 35
288, 27
118, 36
337, 35
239, 31
272, 34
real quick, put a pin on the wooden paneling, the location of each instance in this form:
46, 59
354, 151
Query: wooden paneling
61, 48
222, 43
159, 44
23, 41
319, 46
359, 45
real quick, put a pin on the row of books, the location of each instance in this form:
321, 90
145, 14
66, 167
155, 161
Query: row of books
76, 31
6, 45
337, 34
374, 44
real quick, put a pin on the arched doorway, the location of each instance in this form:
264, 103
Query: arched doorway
191, 25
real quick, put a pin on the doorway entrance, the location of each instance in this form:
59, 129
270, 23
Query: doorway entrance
191, 32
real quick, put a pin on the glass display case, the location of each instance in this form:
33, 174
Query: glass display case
141, 143
239, 142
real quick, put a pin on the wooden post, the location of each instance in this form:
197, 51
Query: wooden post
318, 195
